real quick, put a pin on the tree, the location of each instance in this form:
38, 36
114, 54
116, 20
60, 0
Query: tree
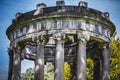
115, 60
67, 71
49, 71
48, 75
114, 66
28, 75
89, 68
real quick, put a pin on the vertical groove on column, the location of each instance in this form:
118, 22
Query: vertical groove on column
106, 63
59, 61
96, 69
81, 61
10, 53
16, 73
39, 63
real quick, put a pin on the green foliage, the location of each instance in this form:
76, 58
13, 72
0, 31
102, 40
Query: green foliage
89, 68
28, 75
114, 66
67, 71
115, 60
49, 72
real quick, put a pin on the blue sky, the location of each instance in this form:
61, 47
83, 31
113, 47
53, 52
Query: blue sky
8, 9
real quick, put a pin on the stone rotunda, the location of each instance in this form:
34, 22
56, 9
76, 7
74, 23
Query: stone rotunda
58, 34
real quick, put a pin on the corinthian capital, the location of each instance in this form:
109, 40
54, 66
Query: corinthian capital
17, 48
107, 47
83, 36
59, 37
40, 39
43, 39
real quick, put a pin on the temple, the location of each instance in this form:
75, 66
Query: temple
58, 34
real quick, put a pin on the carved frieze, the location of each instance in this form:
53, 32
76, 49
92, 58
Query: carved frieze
64, 26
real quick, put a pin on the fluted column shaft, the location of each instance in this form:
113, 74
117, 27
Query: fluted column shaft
59, 57
81, 61
10, 53
106, 62
39, 60
81, 55
16, 73
96, 69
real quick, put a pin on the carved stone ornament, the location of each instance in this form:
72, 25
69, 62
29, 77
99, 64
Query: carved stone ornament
40, 39
83, 36
10, 51
107, 47
17, 48
59, 36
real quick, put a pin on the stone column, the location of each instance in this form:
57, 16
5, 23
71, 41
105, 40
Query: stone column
81, 56
106, 62
16, 73
39, 60
96, 69
59, 57
73, 71
10, 53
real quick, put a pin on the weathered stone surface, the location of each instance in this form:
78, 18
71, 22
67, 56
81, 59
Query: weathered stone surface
39, 62
59, 57
10, 53
16, 73
81, 61
86, 25
106, 62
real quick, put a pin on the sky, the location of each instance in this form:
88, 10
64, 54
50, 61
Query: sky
8, 9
